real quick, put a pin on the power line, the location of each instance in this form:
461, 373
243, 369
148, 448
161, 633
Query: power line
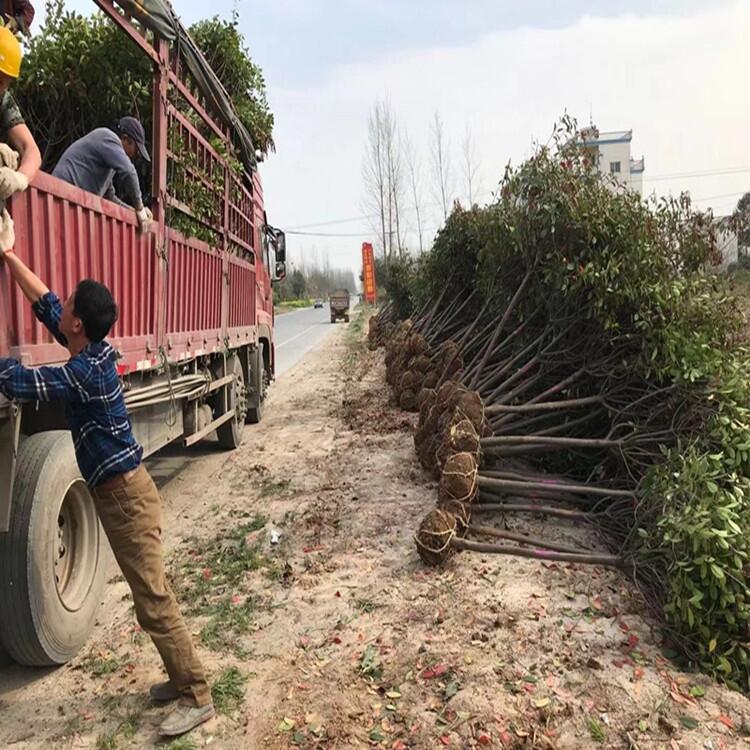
716, 197
655, 178
702, 173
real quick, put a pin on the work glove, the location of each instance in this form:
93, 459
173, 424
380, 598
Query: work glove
145, 219
11, 182
8, 157
7, 233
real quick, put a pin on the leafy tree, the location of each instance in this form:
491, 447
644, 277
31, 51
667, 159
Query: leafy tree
298, 283
81, 72
224, 47
740, 220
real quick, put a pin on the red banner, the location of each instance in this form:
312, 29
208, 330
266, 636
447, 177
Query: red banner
368, 272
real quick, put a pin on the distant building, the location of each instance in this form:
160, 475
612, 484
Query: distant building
611, 153
726, 242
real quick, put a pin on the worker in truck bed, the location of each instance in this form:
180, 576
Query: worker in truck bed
102, 162
18, 15
109, 458
16, 172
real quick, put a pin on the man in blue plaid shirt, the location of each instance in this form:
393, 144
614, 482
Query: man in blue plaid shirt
109, 458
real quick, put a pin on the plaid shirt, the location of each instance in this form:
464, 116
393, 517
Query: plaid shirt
94, 405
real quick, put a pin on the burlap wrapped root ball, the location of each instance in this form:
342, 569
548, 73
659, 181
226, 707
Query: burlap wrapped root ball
460, 437
461, 512
458, 479
431, 379
470, 406
407, 401
417, 345
450, 359
421, 363
425, 401
433, 538
374, 333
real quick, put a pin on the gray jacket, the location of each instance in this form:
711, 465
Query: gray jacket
94, 161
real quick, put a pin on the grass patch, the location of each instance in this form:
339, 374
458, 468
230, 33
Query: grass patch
211, 579
228, 691
595, 729
106, 741
99, 665
271, 487
367, 606
227, 621
181, 743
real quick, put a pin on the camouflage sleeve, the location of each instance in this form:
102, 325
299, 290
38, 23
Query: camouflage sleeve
10, 115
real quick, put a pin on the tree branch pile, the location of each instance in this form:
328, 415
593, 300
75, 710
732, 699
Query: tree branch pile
570, 356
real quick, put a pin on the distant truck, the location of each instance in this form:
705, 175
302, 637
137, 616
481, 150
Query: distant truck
338, 301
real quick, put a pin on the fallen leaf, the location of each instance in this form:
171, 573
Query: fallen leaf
286, 724
446, 740
376, 735
697, 691
689, 722
726, 721
393, 694
484, 739
437, 671
542, 702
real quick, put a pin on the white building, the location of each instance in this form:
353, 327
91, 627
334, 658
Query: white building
611, 154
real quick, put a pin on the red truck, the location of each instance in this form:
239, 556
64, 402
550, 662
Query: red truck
194, 339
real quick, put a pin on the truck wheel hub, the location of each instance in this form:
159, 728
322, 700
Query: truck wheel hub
76, 553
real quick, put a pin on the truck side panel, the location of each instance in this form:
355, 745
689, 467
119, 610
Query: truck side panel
65, 235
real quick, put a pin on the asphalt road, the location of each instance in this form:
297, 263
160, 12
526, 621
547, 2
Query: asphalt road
297, 332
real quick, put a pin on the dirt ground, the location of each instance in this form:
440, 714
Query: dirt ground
294, 560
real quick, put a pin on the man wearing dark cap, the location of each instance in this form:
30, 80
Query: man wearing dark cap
102, 163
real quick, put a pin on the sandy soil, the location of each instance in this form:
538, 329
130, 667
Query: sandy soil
342, 637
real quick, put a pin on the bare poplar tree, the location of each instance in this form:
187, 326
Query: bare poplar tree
395, 188
441, 165
382, 176
374, 175
470, 166
414, 171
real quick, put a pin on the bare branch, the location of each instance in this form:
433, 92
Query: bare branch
470, 166
441, 165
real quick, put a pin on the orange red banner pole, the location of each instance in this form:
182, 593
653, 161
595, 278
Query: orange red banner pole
368, 273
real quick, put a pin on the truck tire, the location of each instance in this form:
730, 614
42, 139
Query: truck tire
257, 386
346, 318
5, 660
333, 318
53, 560
230, 433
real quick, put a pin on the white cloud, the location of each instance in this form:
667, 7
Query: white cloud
679, 83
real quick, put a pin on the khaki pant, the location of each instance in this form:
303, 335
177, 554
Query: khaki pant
130, 511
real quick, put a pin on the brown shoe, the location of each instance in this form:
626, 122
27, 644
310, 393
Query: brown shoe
184, 718
163, 692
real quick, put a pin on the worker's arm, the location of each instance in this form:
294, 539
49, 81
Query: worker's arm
31, 159
31, 285
111, 195
113, 155
66, 383
45, 304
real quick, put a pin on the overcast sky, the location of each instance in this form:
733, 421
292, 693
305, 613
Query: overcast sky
673, 72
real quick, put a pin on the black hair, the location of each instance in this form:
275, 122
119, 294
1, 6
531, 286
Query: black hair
95, 307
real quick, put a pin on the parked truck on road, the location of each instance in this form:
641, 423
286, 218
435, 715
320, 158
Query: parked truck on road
338, 301
195, 336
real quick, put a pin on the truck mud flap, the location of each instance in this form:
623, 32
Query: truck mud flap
10, 425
